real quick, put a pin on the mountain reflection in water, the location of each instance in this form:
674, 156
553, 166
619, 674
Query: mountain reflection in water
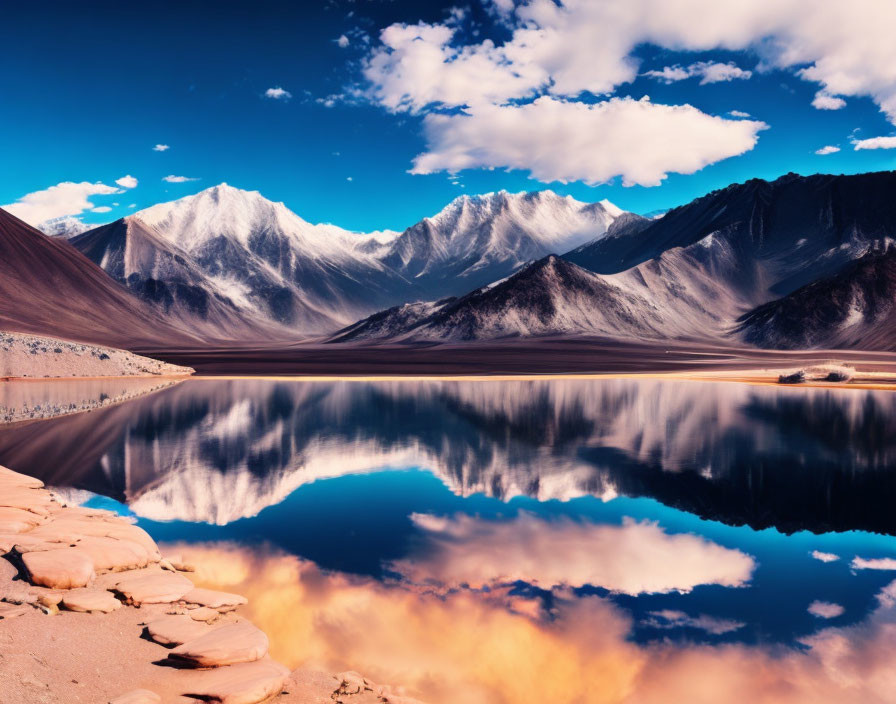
498, 542
216, 451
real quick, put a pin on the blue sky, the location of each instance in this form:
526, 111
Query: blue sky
89, 89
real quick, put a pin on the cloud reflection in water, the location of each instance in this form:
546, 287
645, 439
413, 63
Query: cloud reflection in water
486, 647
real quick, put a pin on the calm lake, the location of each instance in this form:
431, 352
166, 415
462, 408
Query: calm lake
519, 540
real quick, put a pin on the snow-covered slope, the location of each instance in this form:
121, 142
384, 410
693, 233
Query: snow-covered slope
479, 239
237, 263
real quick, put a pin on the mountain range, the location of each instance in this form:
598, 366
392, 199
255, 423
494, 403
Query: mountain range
799, 262
232, 263
790, 263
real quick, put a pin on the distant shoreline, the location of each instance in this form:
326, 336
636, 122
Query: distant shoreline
539, 357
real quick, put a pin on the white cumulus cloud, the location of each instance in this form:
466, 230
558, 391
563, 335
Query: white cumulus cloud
127, 181
639, 140
342, 41
829, 149
178, 179
66, 198
824, 556
101, 209
570, 46
161, 148
563, 49
277, 93
875, 143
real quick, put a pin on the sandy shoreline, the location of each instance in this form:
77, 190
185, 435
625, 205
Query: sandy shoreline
765, 377
90, 611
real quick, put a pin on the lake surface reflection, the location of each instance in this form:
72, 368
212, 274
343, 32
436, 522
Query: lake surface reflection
467, 534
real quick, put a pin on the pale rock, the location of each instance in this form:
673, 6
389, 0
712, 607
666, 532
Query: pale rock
75, 528
224, 645
113, 554
153, 587
50, 598
351, 683
91, 601
245, 683
137, 696
214, 599
65, 568
9, 478
176, 630
34, 500
17, 520
204, 613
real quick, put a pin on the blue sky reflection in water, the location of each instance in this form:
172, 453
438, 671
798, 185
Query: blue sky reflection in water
704, 512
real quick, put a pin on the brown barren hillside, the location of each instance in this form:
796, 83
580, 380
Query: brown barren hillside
47, 287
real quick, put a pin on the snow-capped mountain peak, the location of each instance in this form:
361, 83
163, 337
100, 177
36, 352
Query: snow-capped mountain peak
479, 239
66, 226
242, 217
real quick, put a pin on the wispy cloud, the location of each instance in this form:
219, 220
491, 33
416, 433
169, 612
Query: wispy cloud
343, 41
179, 179
708, 71
829, 149
824, 556
161, 148
277, 93
668, 618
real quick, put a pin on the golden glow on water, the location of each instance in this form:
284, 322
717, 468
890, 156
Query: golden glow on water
449, 646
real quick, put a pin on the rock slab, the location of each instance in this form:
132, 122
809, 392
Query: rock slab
247, 683
91, 601
64, 568
154, 587
224, 645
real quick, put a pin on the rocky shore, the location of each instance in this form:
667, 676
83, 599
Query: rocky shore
92, 611
32, 357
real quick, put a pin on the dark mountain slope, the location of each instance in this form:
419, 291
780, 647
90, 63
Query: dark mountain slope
159, 272
549, 297
855, 308
794, 229
47, 287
